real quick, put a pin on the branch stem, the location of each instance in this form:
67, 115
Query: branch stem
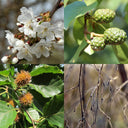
55, 8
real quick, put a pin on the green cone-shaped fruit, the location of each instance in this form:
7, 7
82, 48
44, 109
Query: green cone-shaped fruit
104, 15
114, 36
97, 43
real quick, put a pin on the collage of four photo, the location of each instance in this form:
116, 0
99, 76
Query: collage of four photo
63, 64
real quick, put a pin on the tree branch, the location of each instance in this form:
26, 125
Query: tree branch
55, 8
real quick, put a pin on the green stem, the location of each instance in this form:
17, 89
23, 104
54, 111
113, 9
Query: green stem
101, 25
78, 51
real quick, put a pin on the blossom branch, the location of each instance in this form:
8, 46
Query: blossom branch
55, 8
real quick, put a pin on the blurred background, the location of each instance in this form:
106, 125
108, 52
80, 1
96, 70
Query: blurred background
107, 55
9, 11
112, 76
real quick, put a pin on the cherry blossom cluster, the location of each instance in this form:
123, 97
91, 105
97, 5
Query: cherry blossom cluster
37, 36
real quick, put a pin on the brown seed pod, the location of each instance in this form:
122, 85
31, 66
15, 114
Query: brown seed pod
26, 99
22, 78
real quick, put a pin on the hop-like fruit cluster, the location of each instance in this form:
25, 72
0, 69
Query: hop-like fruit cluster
97, 43
104, 15
114, 36
26, 99
22, 78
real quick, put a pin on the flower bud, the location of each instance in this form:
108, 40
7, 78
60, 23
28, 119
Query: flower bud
5, 59
15, 60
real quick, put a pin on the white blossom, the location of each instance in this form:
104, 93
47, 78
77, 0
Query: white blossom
41, 48
27, 19
25, 53
10, 37
26, 15
36, 37
44, 31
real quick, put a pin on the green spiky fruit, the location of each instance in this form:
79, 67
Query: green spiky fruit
104, 15
114, 36
97, 43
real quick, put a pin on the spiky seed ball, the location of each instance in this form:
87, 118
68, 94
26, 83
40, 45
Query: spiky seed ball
104, 15
97, 43
26, 99
22, 78
11, 102
114, 36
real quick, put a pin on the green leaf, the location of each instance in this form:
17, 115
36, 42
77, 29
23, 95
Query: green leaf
78, 51
75, 10
4, 80
50, 90
5, 73
88, 2
78, 29
57, 119
40, 69
33, 113
121, 52
126, 13
7, 114
54, 105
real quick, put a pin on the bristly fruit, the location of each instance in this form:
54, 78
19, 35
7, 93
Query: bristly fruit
104, 15
26, 99
114, 36
22, 78
97, 43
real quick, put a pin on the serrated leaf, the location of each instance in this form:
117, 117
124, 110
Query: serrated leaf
40, 69
50, 90
75, 10
121, 51
7, 114
33, 113
57, 120
54, 105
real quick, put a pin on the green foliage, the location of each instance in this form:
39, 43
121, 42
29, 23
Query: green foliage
7, 114
76, 10
121, 52
78, 29
49, 91
40, 69
48, 100
86, 26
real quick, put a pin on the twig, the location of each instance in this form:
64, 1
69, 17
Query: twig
70, 89
108, 118
80, 93
55, 8
31, 119
124, 111
119, 88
